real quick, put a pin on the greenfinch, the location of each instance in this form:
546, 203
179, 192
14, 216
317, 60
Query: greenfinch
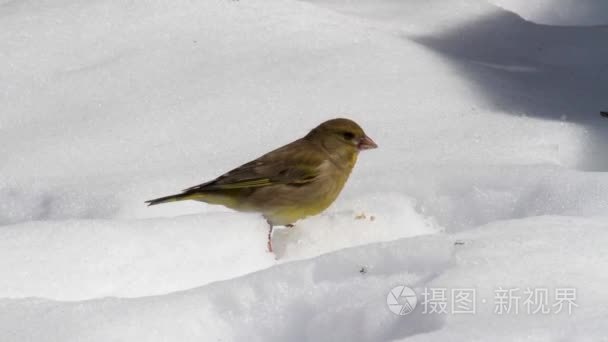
297, 180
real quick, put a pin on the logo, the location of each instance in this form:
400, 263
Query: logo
401, 300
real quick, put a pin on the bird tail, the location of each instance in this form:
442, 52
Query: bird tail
172, 198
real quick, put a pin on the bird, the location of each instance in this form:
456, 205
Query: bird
300, 179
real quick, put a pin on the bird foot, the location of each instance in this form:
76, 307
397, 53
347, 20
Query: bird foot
289, 225
269, 237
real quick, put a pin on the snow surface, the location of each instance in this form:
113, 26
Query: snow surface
491, 170
560, 12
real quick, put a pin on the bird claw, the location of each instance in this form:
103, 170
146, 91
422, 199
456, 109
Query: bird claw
269, 237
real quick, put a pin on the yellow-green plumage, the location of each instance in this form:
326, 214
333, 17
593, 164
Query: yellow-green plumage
297, 180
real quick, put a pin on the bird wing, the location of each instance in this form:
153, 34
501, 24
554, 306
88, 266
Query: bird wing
291, 164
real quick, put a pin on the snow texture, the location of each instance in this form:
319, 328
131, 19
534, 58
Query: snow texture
491, 170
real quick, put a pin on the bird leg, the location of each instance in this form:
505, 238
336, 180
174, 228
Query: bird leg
269, 236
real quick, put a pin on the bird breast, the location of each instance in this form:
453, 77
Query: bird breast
290, 203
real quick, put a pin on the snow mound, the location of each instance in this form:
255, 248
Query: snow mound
82, 259
330, 298
559, 12
490, 171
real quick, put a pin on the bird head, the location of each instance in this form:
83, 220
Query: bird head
341, 135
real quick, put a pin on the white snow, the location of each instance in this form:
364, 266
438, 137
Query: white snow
491, 170
560, 12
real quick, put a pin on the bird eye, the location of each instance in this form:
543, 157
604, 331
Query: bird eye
348, 135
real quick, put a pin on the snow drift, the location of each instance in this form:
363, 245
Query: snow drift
491, 171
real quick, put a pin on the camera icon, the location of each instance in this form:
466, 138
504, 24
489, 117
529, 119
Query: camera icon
401, 300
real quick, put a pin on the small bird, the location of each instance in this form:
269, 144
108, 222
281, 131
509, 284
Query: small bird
297, 180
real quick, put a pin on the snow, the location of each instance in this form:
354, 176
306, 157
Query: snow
327, 298
84, 259
560, 12
490, 171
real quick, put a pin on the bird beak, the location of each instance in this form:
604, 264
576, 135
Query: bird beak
366, 143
